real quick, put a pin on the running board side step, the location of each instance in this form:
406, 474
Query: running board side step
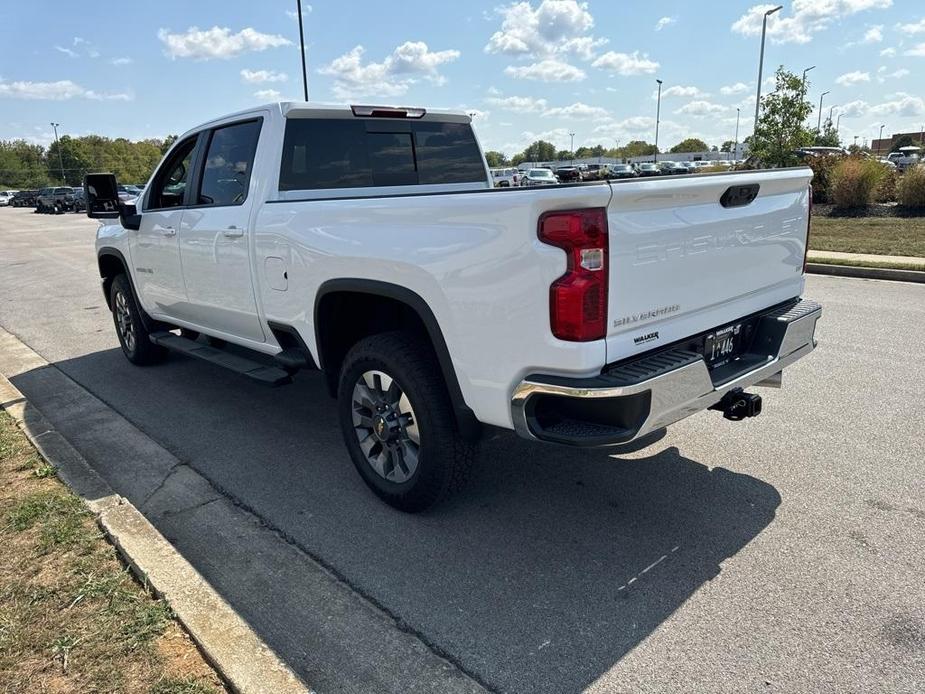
266, 375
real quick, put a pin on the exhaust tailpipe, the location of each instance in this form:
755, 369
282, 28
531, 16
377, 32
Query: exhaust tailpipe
737, 405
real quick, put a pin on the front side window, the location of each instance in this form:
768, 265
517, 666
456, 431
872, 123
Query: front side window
169, 186
326, 153
229, 160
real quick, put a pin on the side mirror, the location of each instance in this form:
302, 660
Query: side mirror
102, 196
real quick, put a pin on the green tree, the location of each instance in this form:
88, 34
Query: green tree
636, 148
728, 146
903, 141
540, 151
828, 137
167, 142
495, 159
563, 155
691, 144
780, 128
71, 155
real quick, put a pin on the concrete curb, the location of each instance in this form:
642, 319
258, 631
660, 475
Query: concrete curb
241, 658
872, 273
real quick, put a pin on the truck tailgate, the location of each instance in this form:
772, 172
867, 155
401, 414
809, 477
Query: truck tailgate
681, 262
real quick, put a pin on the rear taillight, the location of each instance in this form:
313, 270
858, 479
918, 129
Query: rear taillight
578, 299
809, 224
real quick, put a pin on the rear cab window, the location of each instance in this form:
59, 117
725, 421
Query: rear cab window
356, 153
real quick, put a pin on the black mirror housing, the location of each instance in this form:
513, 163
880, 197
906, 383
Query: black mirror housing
102, 194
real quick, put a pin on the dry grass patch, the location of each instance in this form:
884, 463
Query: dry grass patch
72, 618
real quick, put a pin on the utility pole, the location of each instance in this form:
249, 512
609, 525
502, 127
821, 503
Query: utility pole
819, 123
58, 147
572, 146
735, 147
804, 78
302, 43
764, 28
880, 139
838, 122
658, 112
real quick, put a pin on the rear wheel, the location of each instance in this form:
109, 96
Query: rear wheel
130, 328
398, 423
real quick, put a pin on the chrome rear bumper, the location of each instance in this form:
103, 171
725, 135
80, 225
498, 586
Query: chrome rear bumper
642, 396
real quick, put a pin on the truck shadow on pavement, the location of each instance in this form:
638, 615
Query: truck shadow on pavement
551, 567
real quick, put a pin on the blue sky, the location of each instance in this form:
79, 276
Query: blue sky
529, 70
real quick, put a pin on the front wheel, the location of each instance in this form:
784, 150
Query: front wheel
130, 328
398, 422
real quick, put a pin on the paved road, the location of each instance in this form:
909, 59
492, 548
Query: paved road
784, 553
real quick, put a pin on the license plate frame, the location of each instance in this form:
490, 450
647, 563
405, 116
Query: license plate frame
723, 345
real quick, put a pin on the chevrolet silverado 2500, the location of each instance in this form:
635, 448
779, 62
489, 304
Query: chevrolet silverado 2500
368, 242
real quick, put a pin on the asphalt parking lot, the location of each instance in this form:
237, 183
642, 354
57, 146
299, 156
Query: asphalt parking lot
783, 553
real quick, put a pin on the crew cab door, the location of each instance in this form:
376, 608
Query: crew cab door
214, 233
154, 246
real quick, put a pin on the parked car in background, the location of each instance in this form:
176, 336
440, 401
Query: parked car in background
6, 196
24, 198
505, 178
906, 157
569, 174
622, 171
539, 177
647, 168
596, 172
688, 166
672, 168
805, 152
55, 200
80, 200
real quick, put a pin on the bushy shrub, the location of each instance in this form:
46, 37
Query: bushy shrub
886, 191
853, 182
911, 188
822, 170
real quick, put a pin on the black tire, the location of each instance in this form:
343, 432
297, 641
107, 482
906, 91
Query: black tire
443, 458
130, 328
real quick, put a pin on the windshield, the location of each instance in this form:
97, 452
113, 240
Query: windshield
541, 173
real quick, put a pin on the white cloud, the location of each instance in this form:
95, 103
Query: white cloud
293, 15
901, 72
665, 21
737, 88
62, 90
404, 66
121, 61
259, 76
806, 18
553, 27
882, 75
913, 28
518, 104
67, 51
902, 104
626, 64
267, 94
873, 35
917, 51
679, 90
854, 109
577, 111
851, 78
888, 52
549, 70
217, 42
700, 107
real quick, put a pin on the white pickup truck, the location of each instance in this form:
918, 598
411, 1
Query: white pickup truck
368, 242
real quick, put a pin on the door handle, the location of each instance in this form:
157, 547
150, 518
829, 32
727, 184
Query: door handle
232, 232
169, 231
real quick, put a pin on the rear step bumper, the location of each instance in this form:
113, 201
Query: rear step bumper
636, 398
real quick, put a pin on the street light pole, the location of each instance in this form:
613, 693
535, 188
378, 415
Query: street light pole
735, 147
838, 122
803, 81
832, 108
880, 138
302, 43
764, 27
658, 112
572, 146
58, 147
819, 123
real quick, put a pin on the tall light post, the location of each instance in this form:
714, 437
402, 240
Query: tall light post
838, 122
302, 43
658, 112
572, 146
735, 147
58, 147
880, 138
803, 81
764, 28
831, 109
819, 123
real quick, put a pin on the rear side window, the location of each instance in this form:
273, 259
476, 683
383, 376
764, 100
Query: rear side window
323, 153
229, 160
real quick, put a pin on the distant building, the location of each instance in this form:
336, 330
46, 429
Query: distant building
885, 146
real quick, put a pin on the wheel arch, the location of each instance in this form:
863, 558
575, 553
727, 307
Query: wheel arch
403, 305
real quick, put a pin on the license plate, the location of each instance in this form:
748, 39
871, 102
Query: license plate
723, 345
